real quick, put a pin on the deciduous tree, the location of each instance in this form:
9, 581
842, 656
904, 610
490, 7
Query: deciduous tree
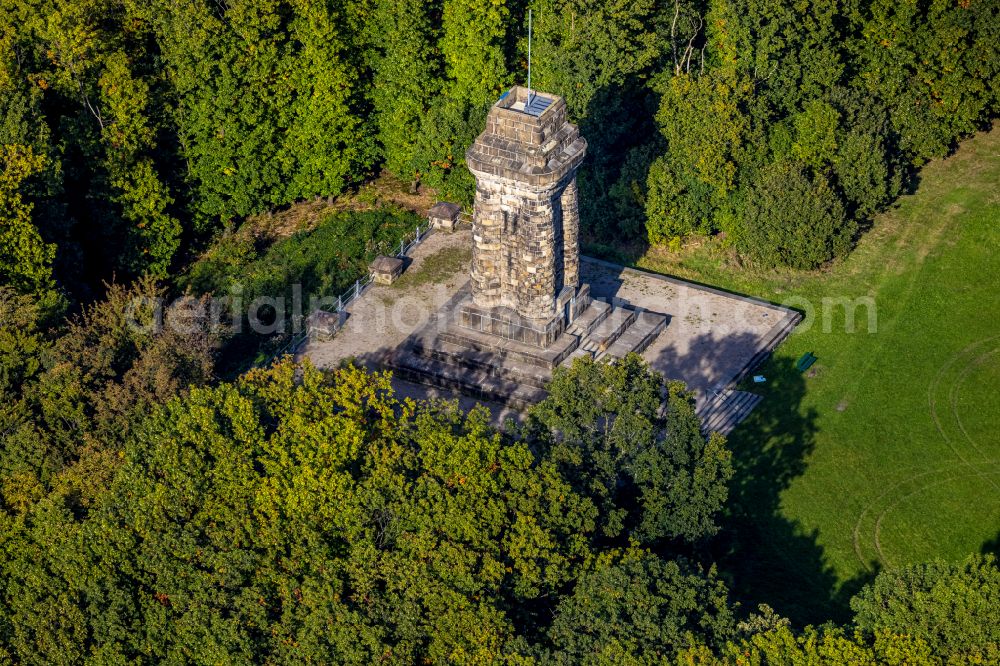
653, 476
25, 259
952, 607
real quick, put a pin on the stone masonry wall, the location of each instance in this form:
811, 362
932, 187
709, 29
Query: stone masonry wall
570, 205
526, 219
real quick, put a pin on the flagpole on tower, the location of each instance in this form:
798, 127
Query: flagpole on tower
529, 57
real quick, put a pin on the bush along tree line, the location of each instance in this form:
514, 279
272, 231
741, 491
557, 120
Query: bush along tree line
131, 130
264, 288
149, 514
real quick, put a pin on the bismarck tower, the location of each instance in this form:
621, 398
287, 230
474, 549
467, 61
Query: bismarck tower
524, 310
525, 276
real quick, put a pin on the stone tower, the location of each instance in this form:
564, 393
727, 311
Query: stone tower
524, 311
525, 261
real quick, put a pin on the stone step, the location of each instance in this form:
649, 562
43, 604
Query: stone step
588, 320
548, 357
487, 362
475, 383
737, 416
724, 413
609, 330
639, 335
577, 353
716, 408
712, 405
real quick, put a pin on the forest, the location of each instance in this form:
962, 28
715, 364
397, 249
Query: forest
158, 504
134, 132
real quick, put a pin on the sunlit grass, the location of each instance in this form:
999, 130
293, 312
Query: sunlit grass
888, 450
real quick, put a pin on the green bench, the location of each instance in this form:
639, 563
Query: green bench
803, 363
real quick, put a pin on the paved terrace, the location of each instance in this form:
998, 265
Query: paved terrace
711, 336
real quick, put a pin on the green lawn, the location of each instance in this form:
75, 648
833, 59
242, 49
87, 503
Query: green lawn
889, 452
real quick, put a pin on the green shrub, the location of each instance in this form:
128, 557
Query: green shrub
790, 219
324, 261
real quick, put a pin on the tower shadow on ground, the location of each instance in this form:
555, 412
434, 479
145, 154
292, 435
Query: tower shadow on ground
992, 547
765, 557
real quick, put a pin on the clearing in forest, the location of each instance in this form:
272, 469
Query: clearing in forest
886, 451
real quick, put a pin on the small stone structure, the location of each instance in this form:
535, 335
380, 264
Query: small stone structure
444, 216
386, 270
525, 261
323, 326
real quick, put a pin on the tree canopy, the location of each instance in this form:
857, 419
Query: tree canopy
135, 132
299, 515
152, 512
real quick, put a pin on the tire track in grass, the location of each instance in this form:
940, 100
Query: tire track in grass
957, 386
870, 507
933, 386
933, 389
897, 502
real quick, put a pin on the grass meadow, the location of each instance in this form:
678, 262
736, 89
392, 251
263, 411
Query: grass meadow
887, 450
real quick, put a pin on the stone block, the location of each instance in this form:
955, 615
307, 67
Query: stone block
444, 215
505, 324
322, 325
386, 270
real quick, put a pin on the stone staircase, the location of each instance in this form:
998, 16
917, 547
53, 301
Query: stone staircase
639, 335
600, 338
727, 408
487, 367
595, 313
723, 413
